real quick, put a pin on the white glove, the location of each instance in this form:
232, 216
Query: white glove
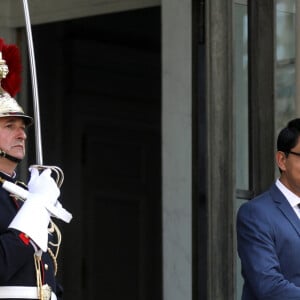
33, 218
51, 203
43, 186
56, 210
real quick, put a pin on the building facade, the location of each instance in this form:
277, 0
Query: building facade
163, 116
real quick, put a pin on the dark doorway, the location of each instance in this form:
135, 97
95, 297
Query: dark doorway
100, 91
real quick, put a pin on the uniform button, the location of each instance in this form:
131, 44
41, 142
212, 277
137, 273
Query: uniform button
46, 267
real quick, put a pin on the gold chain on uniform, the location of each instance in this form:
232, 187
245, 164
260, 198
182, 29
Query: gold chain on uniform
44, 291
39, 283
56, 245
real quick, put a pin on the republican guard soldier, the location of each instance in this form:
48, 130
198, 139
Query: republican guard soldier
29, 239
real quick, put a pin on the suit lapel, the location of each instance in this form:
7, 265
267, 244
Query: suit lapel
283, 205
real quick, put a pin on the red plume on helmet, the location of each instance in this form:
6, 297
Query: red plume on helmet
10, 82
11, 54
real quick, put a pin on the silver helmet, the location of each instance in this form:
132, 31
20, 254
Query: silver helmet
9, 107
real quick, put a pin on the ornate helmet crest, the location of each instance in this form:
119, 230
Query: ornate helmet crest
10, 82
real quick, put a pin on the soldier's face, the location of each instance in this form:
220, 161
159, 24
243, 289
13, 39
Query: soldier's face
13, 136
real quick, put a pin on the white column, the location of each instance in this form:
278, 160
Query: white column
177, 149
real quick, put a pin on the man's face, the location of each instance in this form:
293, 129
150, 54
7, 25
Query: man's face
13, 136
290, 166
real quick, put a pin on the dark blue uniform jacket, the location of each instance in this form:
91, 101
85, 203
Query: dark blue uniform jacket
16, 258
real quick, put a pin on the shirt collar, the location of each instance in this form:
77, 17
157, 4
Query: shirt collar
292, 198
8, 176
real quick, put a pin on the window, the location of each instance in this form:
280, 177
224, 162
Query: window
286, 107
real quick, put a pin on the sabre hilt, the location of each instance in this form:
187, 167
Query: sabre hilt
56, 171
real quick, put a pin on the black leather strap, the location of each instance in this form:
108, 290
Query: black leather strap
14, 159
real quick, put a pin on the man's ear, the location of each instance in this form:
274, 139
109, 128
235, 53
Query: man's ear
281, 160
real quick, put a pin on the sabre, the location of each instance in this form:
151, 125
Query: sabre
36, 106
37, 123
57, 210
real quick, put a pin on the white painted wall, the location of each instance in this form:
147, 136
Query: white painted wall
177, 155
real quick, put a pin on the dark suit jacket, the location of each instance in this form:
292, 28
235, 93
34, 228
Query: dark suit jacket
268, 237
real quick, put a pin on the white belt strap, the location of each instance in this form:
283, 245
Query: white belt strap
22, 292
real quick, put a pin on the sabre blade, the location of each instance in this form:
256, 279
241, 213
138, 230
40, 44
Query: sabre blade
37, 122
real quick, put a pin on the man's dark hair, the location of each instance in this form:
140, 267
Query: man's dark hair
288, 136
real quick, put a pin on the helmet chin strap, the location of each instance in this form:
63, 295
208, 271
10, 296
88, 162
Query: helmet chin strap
11, 158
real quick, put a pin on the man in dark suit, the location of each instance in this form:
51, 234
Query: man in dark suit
268, 228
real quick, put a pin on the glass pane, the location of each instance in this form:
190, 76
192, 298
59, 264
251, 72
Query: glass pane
241, 105
241, 96
285, 104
